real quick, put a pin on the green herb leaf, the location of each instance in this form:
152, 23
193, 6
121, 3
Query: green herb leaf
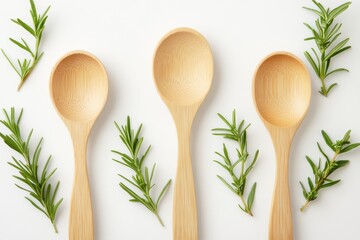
328, 140
350, 147
251, 196
237, 133
329, 184
36, 185
325, 35
321, 174
312, 164
36, 30
142, 179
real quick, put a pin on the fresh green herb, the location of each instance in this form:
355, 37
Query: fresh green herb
321, 174
237, 133
26, 66
142, 180
42, 195
325, 35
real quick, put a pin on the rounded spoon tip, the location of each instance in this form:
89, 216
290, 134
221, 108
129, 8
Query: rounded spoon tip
183, 67
78, 86
282, 89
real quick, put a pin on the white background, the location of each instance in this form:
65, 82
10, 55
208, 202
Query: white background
123, 34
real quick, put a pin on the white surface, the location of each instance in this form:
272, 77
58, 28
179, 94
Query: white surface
123, 34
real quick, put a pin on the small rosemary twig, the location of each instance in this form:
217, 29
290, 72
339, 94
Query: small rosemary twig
26, 66
237, 133
42, 195
321, 174
142, 179
325, 35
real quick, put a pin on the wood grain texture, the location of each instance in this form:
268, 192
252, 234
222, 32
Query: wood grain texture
282, 93
79, 87
183, 71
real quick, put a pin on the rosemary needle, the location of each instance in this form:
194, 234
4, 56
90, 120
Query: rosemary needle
325, 35
142, 180
26, 66
41, 193
237, 133
322, 173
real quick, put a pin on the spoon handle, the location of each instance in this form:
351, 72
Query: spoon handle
81, 219
184, 209
280, 220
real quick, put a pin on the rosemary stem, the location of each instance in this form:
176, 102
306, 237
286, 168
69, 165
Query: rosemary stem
37, 44
321, 180
324, 34
323, 86
142, 176
302, 209
35, 182
31, 68
247, 210
26, 66
154, 208
55, 228
159, 218
23, 79
331, 162
20, 84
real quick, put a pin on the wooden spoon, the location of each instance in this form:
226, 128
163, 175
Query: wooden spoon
282, 93
79, 88
183, 71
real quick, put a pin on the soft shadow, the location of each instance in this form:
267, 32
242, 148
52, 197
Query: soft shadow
196, 145
103, 120
298, 138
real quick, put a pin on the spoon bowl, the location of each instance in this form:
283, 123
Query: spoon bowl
282, 93
183, 67
74, 99
79, 88
183, 70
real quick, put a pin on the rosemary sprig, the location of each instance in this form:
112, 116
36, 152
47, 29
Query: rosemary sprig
26, 66
142, 179
42, 195
325, 34
237, 133
321, 174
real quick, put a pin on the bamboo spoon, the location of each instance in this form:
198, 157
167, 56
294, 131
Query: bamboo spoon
183, 71
79, 88
282, 92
